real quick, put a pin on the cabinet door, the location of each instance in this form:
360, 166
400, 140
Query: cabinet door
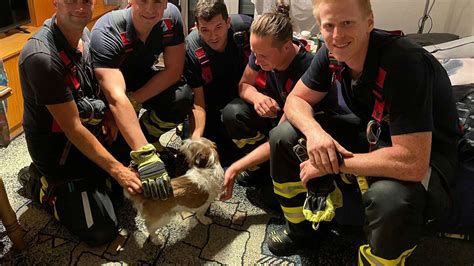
40, 10
15, 102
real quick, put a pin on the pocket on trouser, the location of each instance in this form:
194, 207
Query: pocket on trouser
87, 214
437, 198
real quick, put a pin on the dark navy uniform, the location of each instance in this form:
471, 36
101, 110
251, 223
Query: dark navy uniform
219, 77
73, 187
115, 45
247, 129
417, 96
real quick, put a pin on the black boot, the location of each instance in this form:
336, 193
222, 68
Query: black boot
288, 240
29, 178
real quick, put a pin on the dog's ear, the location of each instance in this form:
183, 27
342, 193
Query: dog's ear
204, 159
201, 160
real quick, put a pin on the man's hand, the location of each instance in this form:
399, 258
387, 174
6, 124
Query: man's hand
109, 127
229, 179
266, 106
322, 151
308, 172
155, 180
129, 179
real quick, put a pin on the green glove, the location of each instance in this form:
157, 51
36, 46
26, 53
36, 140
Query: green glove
155, 180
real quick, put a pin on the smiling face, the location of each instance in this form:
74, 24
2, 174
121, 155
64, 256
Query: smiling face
346, 29
214, 32
73, 14
147, 13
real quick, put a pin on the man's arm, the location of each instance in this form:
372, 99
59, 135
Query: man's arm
198, 120
264, 106
257, 156
113, 84
407, 159
173, 57
322, 148
67, 116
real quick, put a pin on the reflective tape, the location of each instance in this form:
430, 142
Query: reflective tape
366, 257
289, 189
242, 142
293, 214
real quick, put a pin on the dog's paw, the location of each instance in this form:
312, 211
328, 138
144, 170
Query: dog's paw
155, 239
204, 220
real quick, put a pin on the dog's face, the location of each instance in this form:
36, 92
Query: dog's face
200, 152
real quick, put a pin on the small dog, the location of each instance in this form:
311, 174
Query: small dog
193, 192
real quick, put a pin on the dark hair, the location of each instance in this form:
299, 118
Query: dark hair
208, 9
276, 24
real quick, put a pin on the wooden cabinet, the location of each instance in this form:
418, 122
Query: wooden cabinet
40, 10
9, 52
10, 48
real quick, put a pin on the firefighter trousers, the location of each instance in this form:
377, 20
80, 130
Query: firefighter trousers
395, 211
166, 110
245, 127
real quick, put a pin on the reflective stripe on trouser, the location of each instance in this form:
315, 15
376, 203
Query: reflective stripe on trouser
290, 190
250, 141
284, 170
367, 258
46, 198
154, 126
244, 126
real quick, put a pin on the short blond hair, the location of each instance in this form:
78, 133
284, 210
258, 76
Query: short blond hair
365, 6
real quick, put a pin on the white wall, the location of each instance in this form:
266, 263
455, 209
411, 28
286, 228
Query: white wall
450, 16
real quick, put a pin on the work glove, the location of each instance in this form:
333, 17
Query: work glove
322, 199
323, 196
155, 180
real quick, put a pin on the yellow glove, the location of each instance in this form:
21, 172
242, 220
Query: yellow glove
155, 180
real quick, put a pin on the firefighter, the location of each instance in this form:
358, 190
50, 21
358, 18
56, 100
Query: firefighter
65, 120
395, 125
277, 62
217, 52
126, 47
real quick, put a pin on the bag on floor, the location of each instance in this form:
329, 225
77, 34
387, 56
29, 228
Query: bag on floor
460, 221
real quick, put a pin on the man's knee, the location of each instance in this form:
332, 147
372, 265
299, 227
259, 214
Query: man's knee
89, 215
100, 234
284, 136
394, 216
183, 102
394, 201
231, 112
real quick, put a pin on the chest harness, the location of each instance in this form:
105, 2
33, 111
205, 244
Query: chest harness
261, 80
379, 112
91, 108
373, 129
128, 43
240, 38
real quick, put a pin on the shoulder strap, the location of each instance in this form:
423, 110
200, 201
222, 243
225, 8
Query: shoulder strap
336, 68
167, 28
261, 80
206, 72
126, 41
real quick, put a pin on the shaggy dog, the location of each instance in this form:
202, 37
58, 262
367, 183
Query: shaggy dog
193, 192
